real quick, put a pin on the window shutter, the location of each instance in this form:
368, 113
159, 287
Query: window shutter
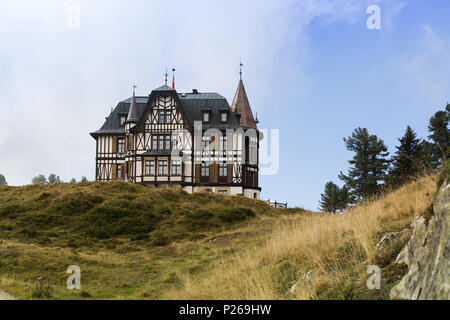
114, 144
197, 142
130, 142
197, 173
214, 173
230, 173
114, 171
229, 142
122, 171
212, 145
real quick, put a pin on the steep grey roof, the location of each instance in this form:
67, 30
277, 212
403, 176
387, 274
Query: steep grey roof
192, 104
112, 123
133, 115
195, 103
142, 99
164, 88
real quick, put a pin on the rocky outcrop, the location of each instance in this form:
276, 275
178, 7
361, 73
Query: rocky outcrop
384, 246
427, 254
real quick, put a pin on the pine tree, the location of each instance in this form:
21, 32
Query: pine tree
3, 180
428, 157
334, 198
330, 198
440, 136
345, 197
40, 179
408, 159
53, 178
368, 166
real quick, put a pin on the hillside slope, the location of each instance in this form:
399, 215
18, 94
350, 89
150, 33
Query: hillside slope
128, 240
131, 242
427, 254
321, 256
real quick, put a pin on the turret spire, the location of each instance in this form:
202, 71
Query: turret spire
242, 106
133, 113
240, 69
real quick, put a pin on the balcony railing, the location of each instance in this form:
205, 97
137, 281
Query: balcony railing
277, 204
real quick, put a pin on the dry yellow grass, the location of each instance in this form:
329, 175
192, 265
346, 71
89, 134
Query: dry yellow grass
313, 252
320, 255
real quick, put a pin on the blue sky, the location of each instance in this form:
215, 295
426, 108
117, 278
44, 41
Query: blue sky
313, 70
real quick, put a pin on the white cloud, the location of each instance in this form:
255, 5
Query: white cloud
427, 70
57, 85
348, 11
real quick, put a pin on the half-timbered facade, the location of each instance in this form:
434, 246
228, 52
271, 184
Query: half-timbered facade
188, 141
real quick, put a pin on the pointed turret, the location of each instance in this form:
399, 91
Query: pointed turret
242, 106
133, 112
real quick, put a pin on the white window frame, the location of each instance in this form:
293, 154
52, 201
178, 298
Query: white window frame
176, 167
222, 115
150, 167
162, 169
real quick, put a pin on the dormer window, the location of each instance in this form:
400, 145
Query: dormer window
122, 118
223, 116
206, 116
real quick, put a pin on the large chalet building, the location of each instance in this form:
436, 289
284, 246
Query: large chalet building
190, 141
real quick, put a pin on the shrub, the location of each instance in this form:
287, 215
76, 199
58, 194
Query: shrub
42, 290
159, 239
10, 209
97, 232
140, 236
164, 211
234, 214
199, 214
129, 197
43, 196
110, 213
41, 220
74, 203
29, 233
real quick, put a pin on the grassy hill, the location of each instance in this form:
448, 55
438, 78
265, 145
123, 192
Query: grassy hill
129, 241
132, 242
